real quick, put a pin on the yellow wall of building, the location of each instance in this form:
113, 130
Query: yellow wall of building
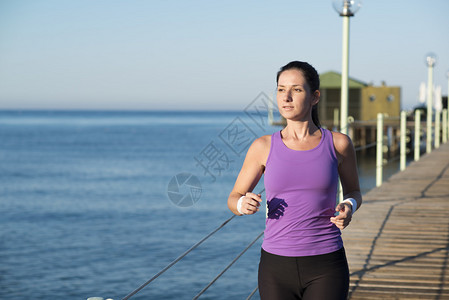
380, 99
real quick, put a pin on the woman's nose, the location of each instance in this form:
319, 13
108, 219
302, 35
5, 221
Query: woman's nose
287, 97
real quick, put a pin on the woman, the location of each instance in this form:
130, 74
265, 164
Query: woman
302, 254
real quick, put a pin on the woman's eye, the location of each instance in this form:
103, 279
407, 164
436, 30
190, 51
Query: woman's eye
298, 90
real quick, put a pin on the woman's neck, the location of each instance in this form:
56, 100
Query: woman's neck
299, 130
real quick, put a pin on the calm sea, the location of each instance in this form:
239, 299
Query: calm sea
96, 203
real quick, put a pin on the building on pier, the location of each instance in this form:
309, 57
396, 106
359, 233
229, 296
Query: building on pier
365, 100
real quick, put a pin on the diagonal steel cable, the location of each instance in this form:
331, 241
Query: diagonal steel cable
228, 266
252, 293
366, 146
177, 259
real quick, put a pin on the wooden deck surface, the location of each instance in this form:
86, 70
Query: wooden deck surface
398, 242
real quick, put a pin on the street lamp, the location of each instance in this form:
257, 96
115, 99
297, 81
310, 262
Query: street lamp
431, 59
346, 9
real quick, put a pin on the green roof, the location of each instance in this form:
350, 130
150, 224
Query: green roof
333, 80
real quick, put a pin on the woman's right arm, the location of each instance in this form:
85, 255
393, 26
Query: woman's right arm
250, 174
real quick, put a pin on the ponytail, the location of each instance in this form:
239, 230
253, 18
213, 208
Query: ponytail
315, 118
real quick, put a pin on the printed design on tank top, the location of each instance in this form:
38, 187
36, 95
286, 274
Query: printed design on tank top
276, 208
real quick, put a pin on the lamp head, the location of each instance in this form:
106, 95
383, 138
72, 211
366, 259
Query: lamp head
346, 8
431, 59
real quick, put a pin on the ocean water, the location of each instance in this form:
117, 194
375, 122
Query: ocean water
94, 203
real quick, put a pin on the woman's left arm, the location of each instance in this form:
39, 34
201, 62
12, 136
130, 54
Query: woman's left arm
349, 178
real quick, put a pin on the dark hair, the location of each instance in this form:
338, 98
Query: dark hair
312, 78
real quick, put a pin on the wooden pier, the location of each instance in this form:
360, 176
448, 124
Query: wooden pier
398, 242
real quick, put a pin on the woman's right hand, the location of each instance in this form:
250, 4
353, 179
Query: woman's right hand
251, 203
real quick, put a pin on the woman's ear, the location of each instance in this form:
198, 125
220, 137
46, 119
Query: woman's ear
316, 97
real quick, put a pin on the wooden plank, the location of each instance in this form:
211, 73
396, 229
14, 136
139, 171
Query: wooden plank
398, 242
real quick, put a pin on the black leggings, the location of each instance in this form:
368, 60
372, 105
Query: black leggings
319, 277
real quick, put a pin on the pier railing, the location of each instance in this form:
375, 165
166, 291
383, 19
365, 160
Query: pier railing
206, 287
383, 142
439, 134
395, 137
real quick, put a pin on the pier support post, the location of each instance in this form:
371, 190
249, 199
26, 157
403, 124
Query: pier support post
363, 139
403, 146
445, 131
417, 133
437, 128
379, 148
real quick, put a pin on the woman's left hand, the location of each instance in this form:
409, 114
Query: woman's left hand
344, 217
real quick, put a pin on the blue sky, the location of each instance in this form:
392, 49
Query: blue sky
183, 55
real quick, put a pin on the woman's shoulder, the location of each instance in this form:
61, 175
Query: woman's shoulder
342, 142
262, 143
260, 149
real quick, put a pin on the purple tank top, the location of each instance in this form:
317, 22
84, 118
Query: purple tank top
301, 190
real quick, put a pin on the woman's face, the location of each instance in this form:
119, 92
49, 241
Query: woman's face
294, 97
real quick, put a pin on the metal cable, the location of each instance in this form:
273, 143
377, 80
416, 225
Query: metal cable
366, 146
393, 159
227, 267
178, 259
252, 293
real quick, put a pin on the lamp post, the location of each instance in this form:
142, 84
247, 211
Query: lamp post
430, 61
346, 9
